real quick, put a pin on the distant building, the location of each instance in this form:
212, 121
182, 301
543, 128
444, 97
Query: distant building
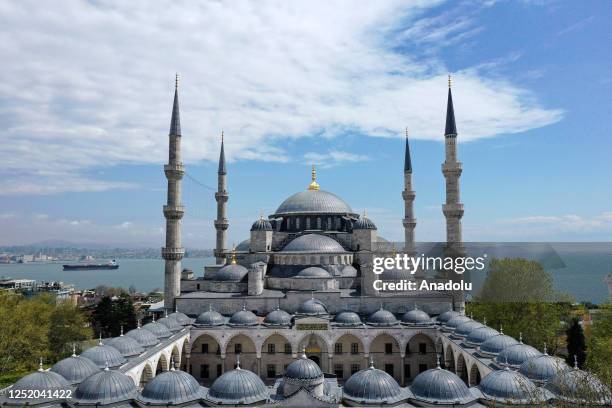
19, 285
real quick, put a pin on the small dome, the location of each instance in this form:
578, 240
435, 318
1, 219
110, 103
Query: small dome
159, 330
313, 272
231, 273
313, 243
453, 322
495, 344
41, 380
516, 355
105, 387
446, 316
371, 386
312, 307
144, 337
381, 317
395, 275
278, 317
364, 223
313, 201
103, 356
172, 324
579, 386
126, 345
261, 225
238, 387
510, 387
210, 318
416, 317
243, 318
543, 368
244, 245
75, 368
464, 329
303, 369
171, 388
347, 318
182, 318
440, 386
480, 335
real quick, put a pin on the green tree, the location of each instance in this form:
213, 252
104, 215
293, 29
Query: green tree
67, 324
576, 343
109, 315
599, 358
102, 317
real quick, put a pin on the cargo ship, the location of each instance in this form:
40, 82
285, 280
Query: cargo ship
91, 266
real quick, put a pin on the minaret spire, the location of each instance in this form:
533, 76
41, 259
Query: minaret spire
173, 252
451, 169
408, 195
221, 223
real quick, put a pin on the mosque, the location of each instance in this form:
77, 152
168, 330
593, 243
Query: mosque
291, 318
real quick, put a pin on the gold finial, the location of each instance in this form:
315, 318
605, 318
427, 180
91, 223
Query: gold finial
314, 185
176, 80
450, 81
233, 261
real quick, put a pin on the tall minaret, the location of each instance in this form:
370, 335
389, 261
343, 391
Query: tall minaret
221, 196
173, 210
408, 195
451, 169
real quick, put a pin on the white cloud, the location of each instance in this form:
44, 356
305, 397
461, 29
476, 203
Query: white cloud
88, 84
333, 158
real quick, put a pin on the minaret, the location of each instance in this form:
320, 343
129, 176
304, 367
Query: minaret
221, 196
451, 169
408, 195
173, 210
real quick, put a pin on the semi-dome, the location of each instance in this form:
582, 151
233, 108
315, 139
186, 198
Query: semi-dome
313, 272
494, 345
577, 386
464, 329
516, 355
313, 243
347, 318
144, 337
159, 330
75, 368
243, 318
244, 245
126, 345
480, 335
104, 356
278, 317
41, 380
182, 318
416, 317
440, 386
261, 225
446, 316
237, 386
210, 318
172, 324
509, 387
303, 369
105, 387
543, 368
381, 317
313, 202
171, 388
231, 273
453, 322
364, 223
371, 386
312, 307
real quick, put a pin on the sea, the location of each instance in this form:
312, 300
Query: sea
576, 269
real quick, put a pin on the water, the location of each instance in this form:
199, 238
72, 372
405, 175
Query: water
144, 274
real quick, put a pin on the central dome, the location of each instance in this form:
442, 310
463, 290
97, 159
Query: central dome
313, 243
314, 202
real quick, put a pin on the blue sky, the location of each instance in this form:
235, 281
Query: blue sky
85, 108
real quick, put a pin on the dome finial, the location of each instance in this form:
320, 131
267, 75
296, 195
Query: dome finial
121, 331
100, 339
238, 361
313, 185
40, 365
484, 320
575, 362
521, 337
243, 306
312, 294
438, 361
501, 328
106, 366
210, 307
372, 362
233, 261
303, 355
74, 354
172, 366
153, 317
138, 325
507, 365
545, 349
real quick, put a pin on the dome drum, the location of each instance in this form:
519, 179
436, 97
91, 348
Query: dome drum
313, 258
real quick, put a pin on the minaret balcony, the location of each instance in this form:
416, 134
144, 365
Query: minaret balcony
452, 167
221, 224
409, 222
221, 196
172, 254
174, 212
408, 195
453, 210
174, 171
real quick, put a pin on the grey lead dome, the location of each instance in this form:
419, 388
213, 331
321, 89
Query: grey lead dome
313, 272
347, 318
416, 317
159, 330
494, 345
313, 201
313, 243
144, 337
516, 355
446, 316
231, 273
507, 386
105, 387
381, 318
261, 225
41, 380
440, 386
238, 387
312, 307
210, 318
127, 346
371, 386
543, 368
103, 355
364, 223
243, 318
75, 368
171, 387
278, 317
303, 369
